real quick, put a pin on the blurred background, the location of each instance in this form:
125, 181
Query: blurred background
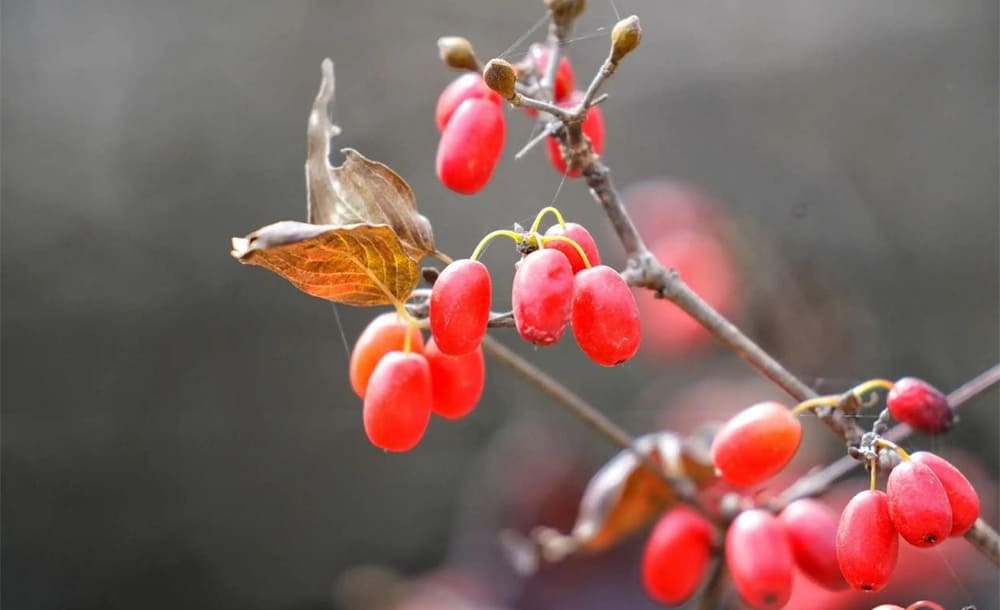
179, 431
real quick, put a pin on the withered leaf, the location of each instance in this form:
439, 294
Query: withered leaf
360, 190
356, 264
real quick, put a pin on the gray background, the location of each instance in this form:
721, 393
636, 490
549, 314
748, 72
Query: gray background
179, 432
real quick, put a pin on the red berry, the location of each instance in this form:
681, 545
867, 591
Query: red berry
962, 496
759, 559
542, 296
384, 334
466, 87
756, 443
867, 542
918, 404
677, 556
456, 381
470, 146
593, 128
398, 403
460, 307
605, 318
565, 80
918, 504
812, 533
582, 237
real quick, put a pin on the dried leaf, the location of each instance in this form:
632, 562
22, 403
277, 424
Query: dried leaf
360, 190
356, 264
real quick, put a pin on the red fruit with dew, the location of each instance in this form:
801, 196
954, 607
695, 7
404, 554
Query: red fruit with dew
397, 405
470, 146
677, 556
812, 534
918, 504
962, 496
456, 381
460, 307
542, 296
605, 318
582, 237
759, 559
916, 403
867, 542
466, 87
756, 443
384, 334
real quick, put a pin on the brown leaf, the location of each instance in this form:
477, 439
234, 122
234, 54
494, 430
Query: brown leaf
360, 190
356, 264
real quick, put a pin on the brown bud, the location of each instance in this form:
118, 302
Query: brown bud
565, 9
625, 37
500, 77
456, 52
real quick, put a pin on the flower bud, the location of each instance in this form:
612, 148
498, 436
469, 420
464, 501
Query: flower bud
625, 37
456, 52
499, 76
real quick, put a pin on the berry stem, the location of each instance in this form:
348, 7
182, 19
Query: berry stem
884, 444
583, 255
535, 226
490, 237
873, 475
870, 386
812, 403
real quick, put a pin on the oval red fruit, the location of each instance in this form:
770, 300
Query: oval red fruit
962, 495
812, 534
593, 128
759, 559
470, 146
756, 443
916, 403
460, 306
384, 334
466, 87
605, 318
542, 296
398, 403
867, 542
918, 504
456, 381
677, 556
565, 80
582, 237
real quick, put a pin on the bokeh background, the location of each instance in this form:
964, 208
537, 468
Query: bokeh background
178, 430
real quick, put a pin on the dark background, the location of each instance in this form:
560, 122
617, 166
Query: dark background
178, 430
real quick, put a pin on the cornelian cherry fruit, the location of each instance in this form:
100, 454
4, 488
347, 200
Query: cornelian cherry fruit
460, 307
456, 381
962, 497
582, 237
386, 333
397, 405
470, 146
918, 504
759, 559
605, 318
677, 556
812, 534
465, 87
916, 403
756, 443
593, 128
867, 542
565, 80
542, 296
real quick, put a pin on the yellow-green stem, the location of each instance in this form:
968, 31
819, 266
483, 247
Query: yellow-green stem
547, 210
490, 237
547, 238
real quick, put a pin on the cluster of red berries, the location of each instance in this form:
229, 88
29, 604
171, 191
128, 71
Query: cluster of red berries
402, 380
926, 501
470, 117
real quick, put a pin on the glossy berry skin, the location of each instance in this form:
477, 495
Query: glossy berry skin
916, 403
605, 318
386, 333
470, 146
867, 542
918, 504
677, 556
962, 497
593, 128
397, 406
542, 296
456, 381
759, 559
465, 87
582, 237
812, 534
460, 307
756, 443
565, 80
